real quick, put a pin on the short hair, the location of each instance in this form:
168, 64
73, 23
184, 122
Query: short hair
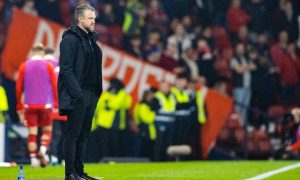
38, 47
79, 11
49, 51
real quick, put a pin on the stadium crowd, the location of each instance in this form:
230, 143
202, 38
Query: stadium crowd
247, 49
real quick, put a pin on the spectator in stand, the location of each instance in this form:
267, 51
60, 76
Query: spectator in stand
189, 64
241, 68
153, 45
135, 46
278, 50
261, 44
167, 60
187, 24
288, 74
242, 36
29, 7
205, 62
236, 17
264, 86
134, 16
156, 17
180, 40
292, 51
287, 20
207, 35
107, 15
260, 21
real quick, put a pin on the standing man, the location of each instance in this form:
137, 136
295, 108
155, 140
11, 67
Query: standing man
79, 87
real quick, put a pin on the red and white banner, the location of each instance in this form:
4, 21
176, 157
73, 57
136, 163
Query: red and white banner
26, 30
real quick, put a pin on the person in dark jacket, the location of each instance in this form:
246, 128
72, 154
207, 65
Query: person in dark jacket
79, 87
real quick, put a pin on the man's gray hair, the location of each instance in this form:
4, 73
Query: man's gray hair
80, 9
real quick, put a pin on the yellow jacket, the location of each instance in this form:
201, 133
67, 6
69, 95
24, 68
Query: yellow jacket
3, 103
144, 117
111, 111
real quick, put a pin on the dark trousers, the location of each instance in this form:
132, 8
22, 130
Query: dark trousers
182, 126
165, 133
77, 130
147, 146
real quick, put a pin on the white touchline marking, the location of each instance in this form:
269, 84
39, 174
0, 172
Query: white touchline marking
277, 171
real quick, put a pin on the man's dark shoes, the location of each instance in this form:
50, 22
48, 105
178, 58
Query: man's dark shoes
73, 177
86, 177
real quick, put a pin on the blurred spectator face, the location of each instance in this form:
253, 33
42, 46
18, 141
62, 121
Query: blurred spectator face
149, 96
253, 55
236, 3
200, 81
175, 22
171, 49
29, 4
154, 38
181, 83
153, 58
288, 7
165, 87
202, 46
154, 5
142, 12
296, 114
187, 21
291, 49
135, 42
240, 49
243, 32
282, 4
179, 30
283, 37
189, 52
207, 32
263, 60
108, 9
261, 38
221, 87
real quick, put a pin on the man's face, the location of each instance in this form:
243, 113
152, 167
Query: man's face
88, 20
240, 49
181, 83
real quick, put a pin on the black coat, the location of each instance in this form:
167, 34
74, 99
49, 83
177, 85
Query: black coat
74, 52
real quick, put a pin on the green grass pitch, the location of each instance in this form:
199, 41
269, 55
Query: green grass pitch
214, 170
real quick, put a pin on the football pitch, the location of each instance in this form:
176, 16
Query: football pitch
215, 170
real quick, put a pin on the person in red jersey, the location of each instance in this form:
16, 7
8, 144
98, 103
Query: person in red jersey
37, 82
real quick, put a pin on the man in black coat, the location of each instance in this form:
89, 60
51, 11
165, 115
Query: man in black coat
79, 87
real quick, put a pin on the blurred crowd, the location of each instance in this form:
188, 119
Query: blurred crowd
247, 49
